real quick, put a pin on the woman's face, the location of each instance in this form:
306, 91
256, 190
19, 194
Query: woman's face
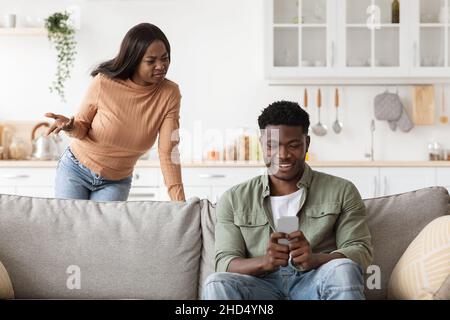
153, 66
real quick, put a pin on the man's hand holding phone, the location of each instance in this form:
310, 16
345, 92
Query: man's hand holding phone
277, 255
299, 249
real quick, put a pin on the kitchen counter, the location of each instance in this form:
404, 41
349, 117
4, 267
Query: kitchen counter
155, 164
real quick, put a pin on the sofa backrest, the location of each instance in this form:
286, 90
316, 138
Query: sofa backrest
132, 250
394, 221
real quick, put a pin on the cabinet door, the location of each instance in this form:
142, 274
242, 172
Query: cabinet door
371, 44
196, 191
429, 43
365, 179
300, 38
36, 191
144, 193
399, 180
217, 193
7, 190
443, 177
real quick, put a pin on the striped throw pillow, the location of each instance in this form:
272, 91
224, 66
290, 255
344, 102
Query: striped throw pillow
425, 265
6, 289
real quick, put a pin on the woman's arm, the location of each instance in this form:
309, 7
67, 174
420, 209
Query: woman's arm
79, 125
168, 152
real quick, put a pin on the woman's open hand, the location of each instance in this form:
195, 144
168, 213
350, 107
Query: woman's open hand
61, 123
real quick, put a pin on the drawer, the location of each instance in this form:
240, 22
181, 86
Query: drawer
218, 176
143, 193
27, 177
145, 177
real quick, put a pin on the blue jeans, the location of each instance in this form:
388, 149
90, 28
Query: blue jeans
75, 181
338, 279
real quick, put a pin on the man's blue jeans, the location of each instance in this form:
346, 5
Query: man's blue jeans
339, 279
75, 181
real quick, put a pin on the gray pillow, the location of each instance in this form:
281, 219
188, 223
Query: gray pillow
394, 221
132, 250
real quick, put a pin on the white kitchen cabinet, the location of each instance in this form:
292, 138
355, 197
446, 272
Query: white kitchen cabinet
365, 179
36, 191
399, 180
7, 190
347, 41
212, 182
144, 193
443, 177
429, 42
33, 182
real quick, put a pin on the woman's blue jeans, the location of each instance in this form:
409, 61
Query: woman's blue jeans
338, 279
75, 181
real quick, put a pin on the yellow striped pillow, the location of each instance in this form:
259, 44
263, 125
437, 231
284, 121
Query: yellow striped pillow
6, 289
424, 266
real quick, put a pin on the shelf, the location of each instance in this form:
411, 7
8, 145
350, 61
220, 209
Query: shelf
313, 25
363, 25
23, 31
285, 25
433, 25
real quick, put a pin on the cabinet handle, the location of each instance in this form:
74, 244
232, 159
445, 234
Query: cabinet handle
149, 195
211, 176
136, 176
415, 54
15, 176
332, 54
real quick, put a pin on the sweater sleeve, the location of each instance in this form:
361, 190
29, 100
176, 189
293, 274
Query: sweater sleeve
168, 149
87, 111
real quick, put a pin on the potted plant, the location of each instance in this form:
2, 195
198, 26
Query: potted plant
62, 34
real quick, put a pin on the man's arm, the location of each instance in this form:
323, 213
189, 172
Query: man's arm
277, 255
353, 238
230, 245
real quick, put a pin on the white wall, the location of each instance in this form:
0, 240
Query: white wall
217, 60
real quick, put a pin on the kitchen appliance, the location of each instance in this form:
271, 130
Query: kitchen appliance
45, 147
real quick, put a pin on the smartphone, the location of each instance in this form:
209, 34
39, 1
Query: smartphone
287, 225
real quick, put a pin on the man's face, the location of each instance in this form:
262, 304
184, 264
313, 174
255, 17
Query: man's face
284, 150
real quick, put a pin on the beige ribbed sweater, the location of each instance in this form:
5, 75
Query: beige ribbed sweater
119, 121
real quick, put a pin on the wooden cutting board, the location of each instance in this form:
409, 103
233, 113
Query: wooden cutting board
423, 109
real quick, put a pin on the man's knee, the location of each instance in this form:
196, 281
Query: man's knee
344, 271
218, 277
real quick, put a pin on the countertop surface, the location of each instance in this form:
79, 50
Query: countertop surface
237, 164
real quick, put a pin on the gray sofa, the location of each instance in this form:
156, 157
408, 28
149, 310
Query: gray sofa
78, 249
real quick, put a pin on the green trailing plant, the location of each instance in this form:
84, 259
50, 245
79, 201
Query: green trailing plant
62, 34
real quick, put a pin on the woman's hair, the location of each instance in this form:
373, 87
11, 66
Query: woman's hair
133, 47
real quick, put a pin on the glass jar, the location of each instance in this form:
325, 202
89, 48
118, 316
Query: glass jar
435, 151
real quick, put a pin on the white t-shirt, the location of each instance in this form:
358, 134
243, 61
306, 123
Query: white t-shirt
284, 206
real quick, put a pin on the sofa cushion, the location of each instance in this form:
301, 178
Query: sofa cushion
423, 268
109, 250
394, 221
6, 290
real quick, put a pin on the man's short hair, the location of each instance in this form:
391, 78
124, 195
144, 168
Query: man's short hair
284, 113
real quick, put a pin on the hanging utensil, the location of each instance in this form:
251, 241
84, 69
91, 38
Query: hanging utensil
443, 118
319, 129
305, 99
337, 125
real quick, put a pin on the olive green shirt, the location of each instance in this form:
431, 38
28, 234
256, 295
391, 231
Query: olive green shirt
332, 217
